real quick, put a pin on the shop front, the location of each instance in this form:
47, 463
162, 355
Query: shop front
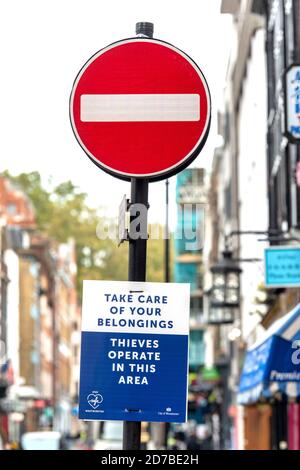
269, 387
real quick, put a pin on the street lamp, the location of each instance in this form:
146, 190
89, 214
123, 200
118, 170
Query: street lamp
225, 291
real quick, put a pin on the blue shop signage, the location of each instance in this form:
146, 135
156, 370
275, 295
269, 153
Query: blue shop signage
292, 102
282, 267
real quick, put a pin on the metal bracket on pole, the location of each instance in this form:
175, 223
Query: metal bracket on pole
123, 224
128, 216
238, 233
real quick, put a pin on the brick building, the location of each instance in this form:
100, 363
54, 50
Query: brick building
39, 318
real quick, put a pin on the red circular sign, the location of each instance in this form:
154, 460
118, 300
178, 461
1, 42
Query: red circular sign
140, 108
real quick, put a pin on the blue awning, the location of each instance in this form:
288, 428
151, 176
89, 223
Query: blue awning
273, 364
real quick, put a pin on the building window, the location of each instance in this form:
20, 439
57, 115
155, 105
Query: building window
11, 209
289, 31
197, 348
258, 7
197, 304
227, 128
228, 204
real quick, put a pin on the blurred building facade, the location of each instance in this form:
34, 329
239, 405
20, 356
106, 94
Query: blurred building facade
254, 203
204, 382
188, 266
40, 320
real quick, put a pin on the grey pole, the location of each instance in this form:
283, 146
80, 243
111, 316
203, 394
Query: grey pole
137, 257
166, 426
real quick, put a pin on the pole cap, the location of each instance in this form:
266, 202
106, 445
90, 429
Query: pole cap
144, 29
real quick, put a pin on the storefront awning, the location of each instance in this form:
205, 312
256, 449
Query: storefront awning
273, 364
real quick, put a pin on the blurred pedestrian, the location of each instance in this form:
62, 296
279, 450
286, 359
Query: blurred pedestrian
193, 441
179, 441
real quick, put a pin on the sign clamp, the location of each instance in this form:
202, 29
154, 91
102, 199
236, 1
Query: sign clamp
123, 222
125, 219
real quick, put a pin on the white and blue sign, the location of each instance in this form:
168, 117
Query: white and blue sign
292, 106
282, 267
134, 351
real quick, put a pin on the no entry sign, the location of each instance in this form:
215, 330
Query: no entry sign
140, 108
134, 351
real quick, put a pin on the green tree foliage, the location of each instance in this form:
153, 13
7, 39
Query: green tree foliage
62, 213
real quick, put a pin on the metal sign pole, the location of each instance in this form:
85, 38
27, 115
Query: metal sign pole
136, 272
137, 258
166, 426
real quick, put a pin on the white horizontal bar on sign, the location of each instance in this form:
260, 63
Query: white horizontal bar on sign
140, 108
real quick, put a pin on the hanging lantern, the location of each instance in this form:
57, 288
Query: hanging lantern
225, 291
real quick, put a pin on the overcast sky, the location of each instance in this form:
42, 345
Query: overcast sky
43, 46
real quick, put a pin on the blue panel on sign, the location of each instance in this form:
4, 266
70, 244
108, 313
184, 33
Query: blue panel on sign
282, 267
133, 377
